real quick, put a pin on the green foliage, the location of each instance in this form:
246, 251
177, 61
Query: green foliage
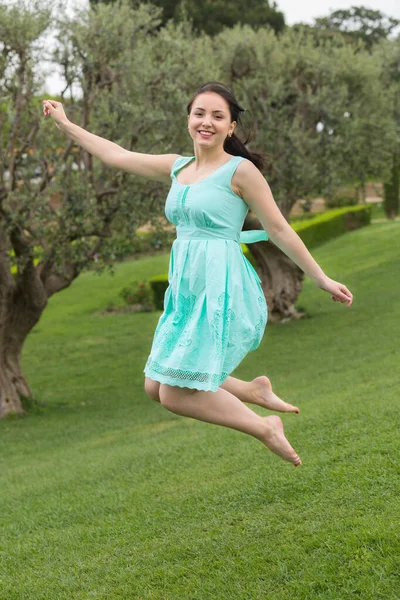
249, 255
302, 217
342, 197
136, 79
359, 23
316, 140
141, 243
37, 258
212, 16
138, 292
332, 224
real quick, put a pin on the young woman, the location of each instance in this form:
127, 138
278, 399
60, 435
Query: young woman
214, 308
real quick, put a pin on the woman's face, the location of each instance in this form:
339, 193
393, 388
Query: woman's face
209, 122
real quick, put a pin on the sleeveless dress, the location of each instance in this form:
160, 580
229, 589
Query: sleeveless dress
214, 307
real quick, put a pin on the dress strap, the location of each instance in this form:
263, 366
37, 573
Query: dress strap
180, 162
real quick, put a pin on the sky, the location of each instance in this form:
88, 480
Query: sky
294, 11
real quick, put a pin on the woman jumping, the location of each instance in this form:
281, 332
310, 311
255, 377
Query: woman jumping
214, 307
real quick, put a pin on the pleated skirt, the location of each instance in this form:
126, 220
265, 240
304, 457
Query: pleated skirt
214, 314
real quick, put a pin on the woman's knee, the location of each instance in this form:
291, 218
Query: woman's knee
169, 396
152, 389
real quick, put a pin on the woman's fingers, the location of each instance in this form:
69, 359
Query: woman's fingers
55, 110
348, 296
339, 292
47, 107
343, 295
52, 103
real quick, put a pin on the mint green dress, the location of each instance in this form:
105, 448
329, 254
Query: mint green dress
214, 307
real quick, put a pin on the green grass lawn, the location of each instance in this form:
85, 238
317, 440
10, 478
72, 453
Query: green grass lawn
105, 494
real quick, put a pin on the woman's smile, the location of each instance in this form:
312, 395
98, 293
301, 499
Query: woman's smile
205, 134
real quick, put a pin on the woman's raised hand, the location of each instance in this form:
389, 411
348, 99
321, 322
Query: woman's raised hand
338, 291
56, 111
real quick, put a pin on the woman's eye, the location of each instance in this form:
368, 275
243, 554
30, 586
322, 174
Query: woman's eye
199, 114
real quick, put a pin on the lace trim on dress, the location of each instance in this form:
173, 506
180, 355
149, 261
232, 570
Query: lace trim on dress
184, 378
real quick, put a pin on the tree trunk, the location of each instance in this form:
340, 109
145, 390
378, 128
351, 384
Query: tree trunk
13, 386
19, 321
281, 278
22, 302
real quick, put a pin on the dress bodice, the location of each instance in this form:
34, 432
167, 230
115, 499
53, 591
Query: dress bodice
209, 208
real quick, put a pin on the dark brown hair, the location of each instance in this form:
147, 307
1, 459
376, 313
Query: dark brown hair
233, 145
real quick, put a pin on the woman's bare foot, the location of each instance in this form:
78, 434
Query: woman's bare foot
263, 395
274, 438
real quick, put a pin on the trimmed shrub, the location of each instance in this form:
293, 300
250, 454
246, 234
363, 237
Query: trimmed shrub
332, 224
304, 217
159, 285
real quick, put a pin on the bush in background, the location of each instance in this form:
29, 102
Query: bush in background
139, 294
346, 196
159, 285
332, 224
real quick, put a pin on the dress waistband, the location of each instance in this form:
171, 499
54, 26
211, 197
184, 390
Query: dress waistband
208, 233
253, 235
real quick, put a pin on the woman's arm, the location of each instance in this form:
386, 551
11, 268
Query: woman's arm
148, 165
257, 194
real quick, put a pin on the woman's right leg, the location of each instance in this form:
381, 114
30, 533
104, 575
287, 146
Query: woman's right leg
259, 392
222, 408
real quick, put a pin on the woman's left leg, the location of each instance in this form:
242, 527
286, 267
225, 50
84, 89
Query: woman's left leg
259, 392
222, 408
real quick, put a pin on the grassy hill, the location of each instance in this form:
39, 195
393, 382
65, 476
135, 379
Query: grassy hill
106, 495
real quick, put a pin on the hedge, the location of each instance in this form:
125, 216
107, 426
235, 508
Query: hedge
159, 284
332, 223
313, 232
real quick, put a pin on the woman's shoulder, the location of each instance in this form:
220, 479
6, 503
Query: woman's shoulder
245, 167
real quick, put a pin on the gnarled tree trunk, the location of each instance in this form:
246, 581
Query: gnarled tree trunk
21, 305
281, 278
13, 385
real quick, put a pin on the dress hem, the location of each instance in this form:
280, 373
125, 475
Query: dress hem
193, 385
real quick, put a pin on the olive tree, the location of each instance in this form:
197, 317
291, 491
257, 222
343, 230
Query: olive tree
59, 205
318, 113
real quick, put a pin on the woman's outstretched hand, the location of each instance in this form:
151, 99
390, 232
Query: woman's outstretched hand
338, 291
56, 111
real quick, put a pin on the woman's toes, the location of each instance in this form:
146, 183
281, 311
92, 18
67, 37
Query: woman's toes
276, 441
264, 396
